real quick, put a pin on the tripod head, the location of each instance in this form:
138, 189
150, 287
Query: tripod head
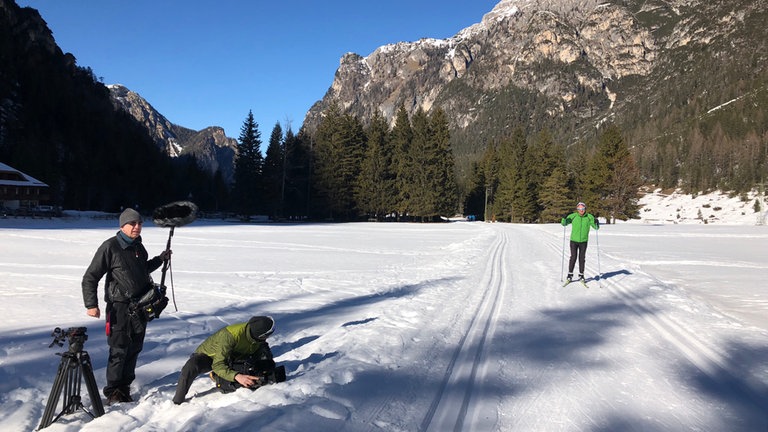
76, 336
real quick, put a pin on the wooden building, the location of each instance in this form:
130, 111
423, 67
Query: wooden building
19, 190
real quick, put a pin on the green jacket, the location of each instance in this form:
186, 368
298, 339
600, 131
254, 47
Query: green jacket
581, 224
231, 342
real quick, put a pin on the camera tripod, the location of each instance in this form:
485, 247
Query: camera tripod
75, 365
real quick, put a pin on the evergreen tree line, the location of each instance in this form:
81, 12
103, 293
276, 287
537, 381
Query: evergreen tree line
346, 171
535, 179
708, 128
276, 184
724, 150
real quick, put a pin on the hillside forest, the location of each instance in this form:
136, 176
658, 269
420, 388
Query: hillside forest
349, 171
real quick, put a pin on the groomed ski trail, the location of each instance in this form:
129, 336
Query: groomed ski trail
456, 406
717, 368
714, 363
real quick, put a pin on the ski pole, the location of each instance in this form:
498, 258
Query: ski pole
599, 272
562, 259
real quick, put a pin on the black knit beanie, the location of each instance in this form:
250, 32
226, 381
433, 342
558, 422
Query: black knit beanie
260, 327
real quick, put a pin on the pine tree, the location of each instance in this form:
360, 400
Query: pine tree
544, 157
474, 201
354, 144
512, 197
490, 180
578, 165
612, 178
273, 183
339, 149
248, 168
443, 180
375, 192
326, 154
400, 140
483, 181
525, 200
297, 174
554, 197
422, 196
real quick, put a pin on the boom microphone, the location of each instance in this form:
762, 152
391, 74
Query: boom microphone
175, 214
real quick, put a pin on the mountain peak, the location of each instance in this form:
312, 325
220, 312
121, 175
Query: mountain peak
210, 147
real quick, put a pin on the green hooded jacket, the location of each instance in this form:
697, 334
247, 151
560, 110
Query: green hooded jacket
231, 342
581, 224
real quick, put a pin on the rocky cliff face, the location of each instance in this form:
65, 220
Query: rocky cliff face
596, 42
210, 147
575, 62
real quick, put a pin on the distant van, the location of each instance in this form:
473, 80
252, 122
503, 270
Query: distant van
45, 211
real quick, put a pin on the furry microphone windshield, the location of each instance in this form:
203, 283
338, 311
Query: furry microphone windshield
175, 214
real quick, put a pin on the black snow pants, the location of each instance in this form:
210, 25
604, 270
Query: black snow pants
196, 365
580, 250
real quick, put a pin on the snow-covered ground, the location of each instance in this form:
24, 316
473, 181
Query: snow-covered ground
419, 327
674, 207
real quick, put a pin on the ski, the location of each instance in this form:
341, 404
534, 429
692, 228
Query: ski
582, 281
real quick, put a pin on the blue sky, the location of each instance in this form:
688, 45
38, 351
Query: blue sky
207, 63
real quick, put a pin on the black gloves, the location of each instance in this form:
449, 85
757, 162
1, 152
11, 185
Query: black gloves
165, 255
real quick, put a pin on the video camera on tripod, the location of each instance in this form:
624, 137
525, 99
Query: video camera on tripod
74, 367
76, 336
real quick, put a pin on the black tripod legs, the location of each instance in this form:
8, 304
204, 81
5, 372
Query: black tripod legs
90, 384
73, 368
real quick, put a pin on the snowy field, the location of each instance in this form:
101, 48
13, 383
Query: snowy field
419, 327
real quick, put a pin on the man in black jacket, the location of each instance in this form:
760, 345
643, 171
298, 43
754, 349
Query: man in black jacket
127, 267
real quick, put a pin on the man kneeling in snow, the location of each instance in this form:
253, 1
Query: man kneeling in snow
238, 355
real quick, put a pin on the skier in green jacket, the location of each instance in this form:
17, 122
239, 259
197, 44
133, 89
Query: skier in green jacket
247, 340
581, 221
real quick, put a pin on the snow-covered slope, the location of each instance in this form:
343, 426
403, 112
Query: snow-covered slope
712, 208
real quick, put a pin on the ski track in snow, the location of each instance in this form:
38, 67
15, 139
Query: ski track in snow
721, 374
710, 360
467, 370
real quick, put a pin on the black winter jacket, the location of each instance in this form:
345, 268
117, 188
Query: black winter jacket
127, 268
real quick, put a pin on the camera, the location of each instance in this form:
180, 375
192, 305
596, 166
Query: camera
75, 335
151, 304
269, 376
264, 369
